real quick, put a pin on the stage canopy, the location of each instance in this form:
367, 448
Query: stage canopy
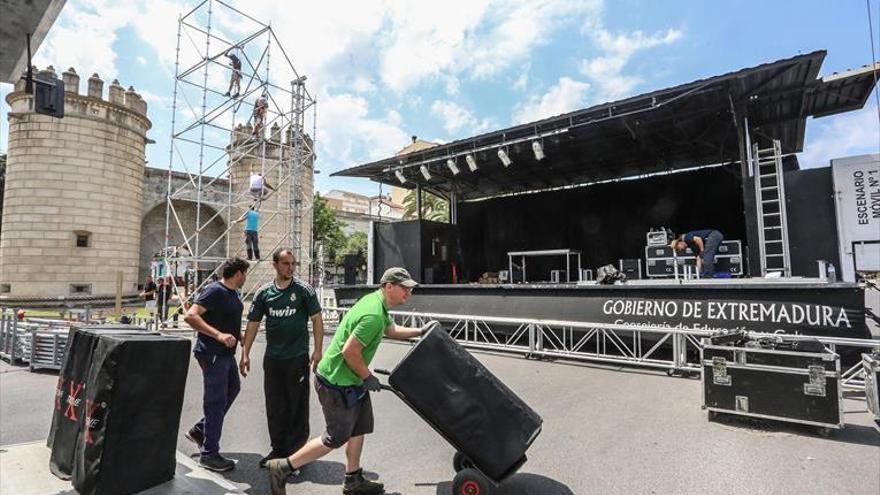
690, 125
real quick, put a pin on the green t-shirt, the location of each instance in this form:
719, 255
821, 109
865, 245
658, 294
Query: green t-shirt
287, 313
366, 321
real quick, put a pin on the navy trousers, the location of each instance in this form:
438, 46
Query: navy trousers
222, 385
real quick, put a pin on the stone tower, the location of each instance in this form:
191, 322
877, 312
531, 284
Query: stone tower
272, 158
72, 206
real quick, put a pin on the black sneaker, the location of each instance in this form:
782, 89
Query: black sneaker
195, 436
356, 484
216, 463
226, 94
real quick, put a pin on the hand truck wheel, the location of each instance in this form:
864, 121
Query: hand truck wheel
469, 481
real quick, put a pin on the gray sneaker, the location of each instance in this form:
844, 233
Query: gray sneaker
216, 463
279, 470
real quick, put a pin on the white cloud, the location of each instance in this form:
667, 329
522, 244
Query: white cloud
566, 95
83, 38
141, 60
522, 82
477, 39
852, 133
456, 118
606, 70
348, 132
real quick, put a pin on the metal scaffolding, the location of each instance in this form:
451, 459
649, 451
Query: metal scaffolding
214, 134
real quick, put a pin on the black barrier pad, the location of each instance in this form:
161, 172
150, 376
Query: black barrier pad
67, 419
466, 403
131, 408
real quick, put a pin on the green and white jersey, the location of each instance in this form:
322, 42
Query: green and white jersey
287, 313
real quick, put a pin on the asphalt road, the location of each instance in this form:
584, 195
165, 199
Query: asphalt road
606, 431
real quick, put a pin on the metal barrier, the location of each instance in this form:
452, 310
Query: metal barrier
672, 349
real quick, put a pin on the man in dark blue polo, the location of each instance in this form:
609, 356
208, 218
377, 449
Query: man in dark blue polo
216, 316
704, 244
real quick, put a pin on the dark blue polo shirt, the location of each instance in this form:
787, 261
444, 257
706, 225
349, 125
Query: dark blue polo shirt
223, 310
689, 239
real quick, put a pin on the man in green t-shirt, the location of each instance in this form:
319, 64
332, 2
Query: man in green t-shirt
288, 304
344, 382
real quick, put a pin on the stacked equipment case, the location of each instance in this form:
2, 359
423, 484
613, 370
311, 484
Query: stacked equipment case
871, 367
660, 260
773, 378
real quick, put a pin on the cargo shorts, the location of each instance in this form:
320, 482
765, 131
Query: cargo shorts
343, 422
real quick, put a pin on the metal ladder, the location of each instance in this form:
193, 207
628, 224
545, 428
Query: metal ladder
770, 202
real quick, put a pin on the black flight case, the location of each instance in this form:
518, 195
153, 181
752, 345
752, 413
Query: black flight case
489, 426
772, 377
871, 366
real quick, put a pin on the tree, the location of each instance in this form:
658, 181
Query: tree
326, 228
434, 207
355, 244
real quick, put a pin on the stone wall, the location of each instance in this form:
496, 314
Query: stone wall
82, 174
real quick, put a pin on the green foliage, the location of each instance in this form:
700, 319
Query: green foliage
434, 207
355, 244
327, 229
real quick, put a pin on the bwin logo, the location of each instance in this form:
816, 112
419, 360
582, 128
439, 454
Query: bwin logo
282, 313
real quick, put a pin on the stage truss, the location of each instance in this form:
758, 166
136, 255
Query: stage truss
212, 132
675, 350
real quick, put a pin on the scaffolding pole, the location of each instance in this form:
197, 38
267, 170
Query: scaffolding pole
212, 133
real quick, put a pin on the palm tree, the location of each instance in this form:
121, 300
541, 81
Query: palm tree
434, 207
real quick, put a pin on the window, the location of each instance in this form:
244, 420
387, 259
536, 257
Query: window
82, 238
5, 288
80, 289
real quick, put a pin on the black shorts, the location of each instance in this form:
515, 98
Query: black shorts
343, 422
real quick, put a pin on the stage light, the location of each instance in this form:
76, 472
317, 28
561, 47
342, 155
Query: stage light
425, 173
505, 160
400, 176
452, 166
538, 149
472, 163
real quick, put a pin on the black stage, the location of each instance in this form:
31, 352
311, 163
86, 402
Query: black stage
677, 157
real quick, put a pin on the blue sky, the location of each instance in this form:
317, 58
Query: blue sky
383, 71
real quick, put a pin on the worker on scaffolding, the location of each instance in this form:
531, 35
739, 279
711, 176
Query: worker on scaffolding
251, 217
260, 188
235, 77
261, 106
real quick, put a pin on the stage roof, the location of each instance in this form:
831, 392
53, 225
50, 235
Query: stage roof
684, 126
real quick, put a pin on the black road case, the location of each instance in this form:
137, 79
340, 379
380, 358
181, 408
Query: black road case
68, 418
133, 398
486, 422
871, 366
774, 378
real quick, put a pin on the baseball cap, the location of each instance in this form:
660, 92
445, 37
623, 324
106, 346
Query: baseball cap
398, 275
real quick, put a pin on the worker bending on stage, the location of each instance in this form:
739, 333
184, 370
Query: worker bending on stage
260, 187
235, 77
251, 237
704, 244
259, 116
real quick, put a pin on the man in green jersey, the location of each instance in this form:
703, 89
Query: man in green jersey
344, 382
288, 304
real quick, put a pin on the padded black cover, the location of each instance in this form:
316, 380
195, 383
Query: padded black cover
67, 420
132, 403
466, 403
